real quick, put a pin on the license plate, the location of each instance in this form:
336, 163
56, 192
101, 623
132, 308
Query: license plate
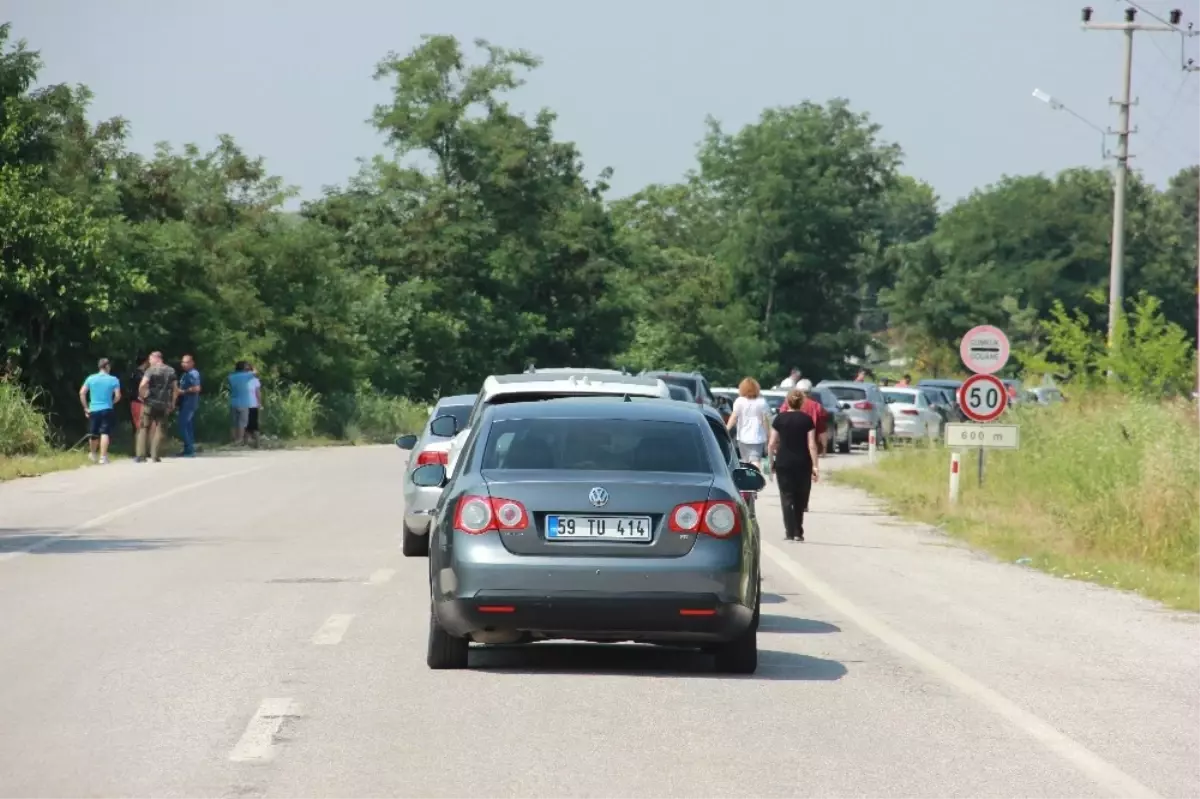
599, 528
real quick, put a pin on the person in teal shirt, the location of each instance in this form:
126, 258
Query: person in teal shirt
241, 397
99, 393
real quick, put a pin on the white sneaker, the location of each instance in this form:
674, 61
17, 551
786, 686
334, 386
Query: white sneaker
104, 459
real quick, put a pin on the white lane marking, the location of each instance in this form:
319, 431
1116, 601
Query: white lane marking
381, 576
74, 532
333, 629
258, 741
1100, 771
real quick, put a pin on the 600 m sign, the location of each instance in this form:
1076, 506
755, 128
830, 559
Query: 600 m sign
982, 398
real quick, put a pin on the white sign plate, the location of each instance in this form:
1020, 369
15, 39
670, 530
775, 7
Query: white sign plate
984, 350
988, 436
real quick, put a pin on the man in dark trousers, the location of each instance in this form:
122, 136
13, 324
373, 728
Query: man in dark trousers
159, 391
189, 402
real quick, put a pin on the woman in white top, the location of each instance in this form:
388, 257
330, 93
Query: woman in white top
751, 417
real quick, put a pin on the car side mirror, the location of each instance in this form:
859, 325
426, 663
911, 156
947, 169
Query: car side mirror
444, 426
748, 479
406, 441
431, 475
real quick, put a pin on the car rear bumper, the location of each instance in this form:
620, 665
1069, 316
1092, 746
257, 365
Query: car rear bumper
653, 616
909, 428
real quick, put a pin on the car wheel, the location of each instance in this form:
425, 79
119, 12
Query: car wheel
844, 444
445, 650
413, 545
880, 441
739, 656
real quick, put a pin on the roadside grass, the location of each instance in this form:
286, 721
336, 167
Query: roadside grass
1105, 488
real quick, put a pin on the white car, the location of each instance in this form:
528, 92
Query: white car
912, 415
543, 384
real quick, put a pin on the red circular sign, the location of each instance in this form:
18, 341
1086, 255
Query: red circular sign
982, 398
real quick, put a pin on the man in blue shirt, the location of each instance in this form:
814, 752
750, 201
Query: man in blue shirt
98, 395
241, 397
189, 402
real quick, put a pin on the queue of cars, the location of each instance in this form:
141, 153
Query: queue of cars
585, 504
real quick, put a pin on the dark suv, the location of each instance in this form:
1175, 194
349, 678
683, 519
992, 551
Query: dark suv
692, 381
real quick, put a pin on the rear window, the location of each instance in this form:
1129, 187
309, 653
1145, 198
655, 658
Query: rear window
848, 393
680, 393
827, 400
774, 401
603, 444
683, 382
459, 412
908, 397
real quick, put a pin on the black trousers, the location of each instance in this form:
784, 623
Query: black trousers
794, 487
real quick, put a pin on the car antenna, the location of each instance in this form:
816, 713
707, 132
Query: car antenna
627, 399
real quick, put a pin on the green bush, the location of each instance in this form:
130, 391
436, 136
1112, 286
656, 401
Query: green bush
293, 412
380, 418
1105, 487
23, 429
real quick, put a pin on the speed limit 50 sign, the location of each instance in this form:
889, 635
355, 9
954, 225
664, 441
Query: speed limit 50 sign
982, 398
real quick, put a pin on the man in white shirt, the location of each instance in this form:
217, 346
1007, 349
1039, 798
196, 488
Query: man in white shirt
255, 404
789, 382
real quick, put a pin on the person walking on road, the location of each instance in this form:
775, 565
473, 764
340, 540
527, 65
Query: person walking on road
816, 411
99, 393
749, 418
159, 391
189, 403
239, 400
789, 382
793, 445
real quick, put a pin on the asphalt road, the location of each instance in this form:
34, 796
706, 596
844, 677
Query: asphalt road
246, 626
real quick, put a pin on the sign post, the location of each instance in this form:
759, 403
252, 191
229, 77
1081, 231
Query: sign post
983, 399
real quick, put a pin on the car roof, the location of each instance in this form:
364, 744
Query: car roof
575, 376
668, 373
595, 408
707, 410
940, 382
846, 384
457, 399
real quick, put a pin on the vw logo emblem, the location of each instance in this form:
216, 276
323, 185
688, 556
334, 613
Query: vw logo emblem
598, 497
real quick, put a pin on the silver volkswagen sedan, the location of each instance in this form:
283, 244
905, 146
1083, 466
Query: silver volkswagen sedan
427, 448
593, 520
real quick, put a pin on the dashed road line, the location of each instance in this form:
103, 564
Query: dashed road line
333, 629
257, 743
381, 576
73, 532
1087, 762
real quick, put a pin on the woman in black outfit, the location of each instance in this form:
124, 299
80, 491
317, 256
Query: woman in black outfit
793, 445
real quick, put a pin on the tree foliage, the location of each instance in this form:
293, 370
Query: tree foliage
477, 244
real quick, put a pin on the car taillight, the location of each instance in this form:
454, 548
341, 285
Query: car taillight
718, 518
477, 515
431, 456
863, 405
910, 412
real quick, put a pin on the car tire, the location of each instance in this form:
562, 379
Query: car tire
845, 444
413, 545
445, 651
740, 656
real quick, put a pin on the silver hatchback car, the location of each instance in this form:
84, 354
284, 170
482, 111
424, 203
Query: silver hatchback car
425, 448
593, 520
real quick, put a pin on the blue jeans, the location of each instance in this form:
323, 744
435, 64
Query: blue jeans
187, 428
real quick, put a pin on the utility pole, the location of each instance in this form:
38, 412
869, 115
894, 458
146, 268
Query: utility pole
1116, 274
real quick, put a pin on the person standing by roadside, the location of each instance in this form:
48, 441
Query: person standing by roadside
135, 399
749, 418
904, 381
159, 391
793, 444
99, 393
255, 404
239, 400
189, 403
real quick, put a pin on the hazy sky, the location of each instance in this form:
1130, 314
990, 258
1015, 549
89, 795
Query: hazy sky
950, 80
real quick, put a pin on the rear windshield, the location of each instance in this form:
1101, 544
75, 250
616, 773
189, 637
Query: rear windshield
848, 393
908, 397
680, 393
604, 444
683, 382
459, 412
827, 400
774, 401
